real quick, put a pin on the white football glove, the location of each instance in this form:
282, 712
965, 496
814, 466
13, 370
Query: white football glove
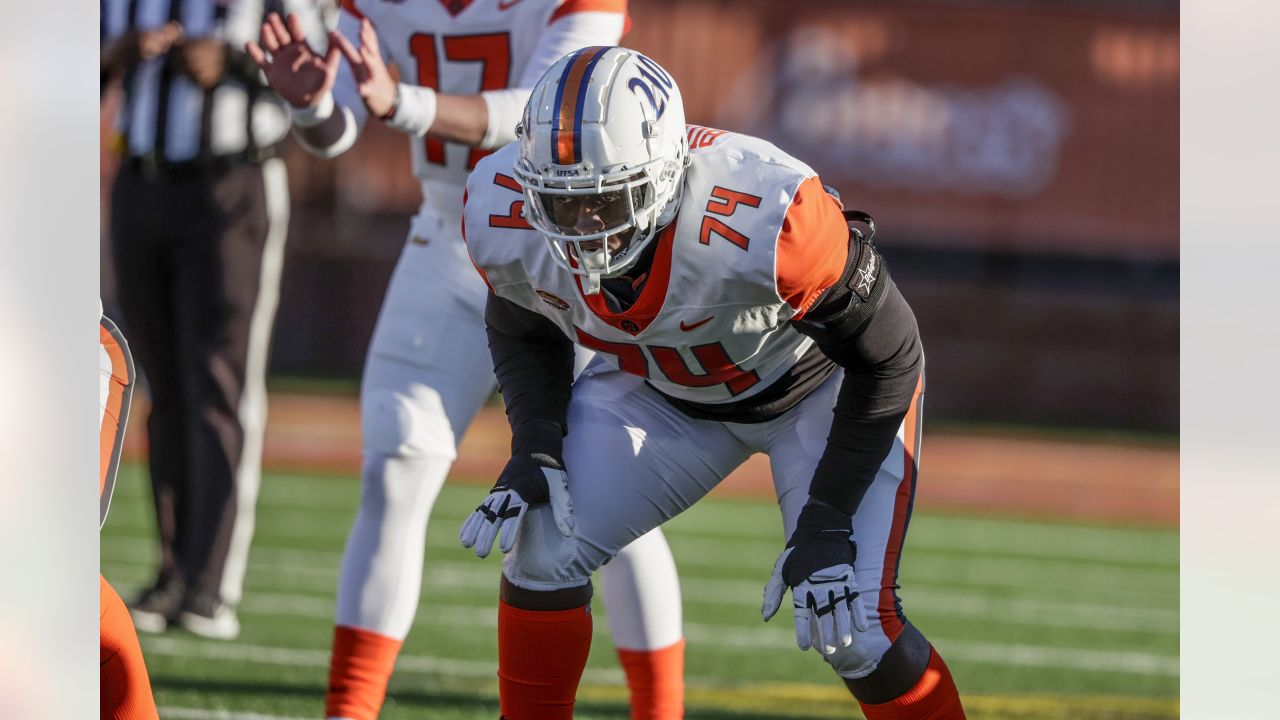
818, 567
526, 480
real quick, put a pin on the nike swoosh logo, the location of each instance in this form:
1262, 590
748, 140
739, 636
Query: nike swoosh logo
504, 5
700, 323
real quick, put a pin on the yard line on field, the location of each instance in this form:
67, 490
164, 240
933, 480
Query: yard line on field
170, 712
706, 548
726, 592
295, 657
925, 537
1029, 613
438, 614
924, 577
772, 638
939, 600
769, 637
930, 532
1138, 663
1142, 586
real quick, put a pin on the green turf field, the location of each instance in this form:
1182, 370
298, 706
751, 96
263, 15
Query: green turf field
1037, 620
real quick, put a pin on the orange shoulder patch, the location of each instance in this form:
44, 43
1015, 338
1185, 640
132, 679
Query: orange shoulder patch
813, 246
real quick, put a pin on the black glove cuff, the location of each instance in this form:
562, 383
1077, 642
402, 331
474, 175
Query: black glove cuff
819, 520
823, 538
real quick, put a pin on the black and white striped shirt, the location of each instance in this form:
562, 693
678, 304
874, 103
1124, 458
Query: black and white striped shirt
166, 116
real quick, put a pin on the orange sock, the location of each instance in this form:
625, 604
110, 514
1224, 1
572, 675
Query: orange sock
541, 656
359, 670
125, 692
934, 697
656, 679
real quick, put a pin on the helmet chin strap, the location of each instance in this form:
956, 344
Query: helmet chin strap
593, 284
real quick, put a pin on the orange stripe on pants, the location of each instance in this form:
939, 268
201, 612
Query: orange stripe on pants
888, 608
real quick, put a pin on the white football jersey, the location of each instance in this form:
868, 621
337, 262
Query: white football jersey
756, 242
465, 47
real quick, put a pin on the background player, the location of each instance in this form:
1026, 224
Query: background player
732, 307
125, 688
428, 367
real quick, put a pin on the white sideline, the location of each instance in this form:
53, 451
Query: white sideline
733, 593
779, 637
1114, 585
185, 713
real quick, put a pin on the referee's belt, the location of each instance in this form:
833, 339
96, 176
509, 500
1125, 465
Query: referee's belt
155, 166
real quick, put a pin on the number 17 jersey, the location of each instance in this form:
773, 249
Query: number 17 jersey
465, 47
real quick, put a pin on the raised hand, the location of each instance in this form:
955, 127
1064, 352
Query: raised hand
373, 80
294, 70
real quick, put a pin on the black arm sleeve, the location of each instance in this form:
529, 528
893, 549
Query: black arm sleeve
870, 331
533, 362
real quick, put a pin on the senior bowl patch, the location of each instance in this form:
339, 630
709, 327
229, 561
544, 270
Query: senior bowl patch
553, 300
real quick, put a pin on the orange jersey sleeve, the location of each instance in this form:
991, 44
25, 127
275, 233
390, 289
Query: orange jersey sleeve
813, 246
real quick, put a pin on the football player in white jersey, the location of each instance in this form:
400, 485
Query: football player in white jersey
732, 305
465, 68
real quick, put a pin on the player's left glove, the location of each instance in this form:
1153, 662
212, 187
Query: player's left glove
818, 567
527, 479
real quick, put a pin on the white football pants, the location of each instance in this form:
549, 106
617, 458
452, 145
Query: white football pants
634, 462
427, 372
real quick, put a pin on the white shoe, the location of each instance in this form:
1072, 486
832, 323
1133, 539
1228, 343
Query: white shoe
147, 621
152, 610
222, 624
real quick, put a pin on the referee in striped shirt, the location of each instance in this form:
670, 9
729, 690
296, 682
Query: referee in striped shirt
199, 215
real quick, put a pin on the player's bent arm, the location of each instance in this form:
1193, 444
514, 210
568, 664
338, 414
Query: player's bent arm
845, 300
334, 127
883, 363
533, 362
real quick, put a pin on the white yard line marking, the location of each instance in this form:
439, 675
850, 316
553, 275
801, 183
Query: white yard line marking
186, 713
304, 571
721, 637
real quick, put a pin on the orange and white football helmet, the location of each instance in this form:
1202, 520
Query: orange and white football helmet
602, 157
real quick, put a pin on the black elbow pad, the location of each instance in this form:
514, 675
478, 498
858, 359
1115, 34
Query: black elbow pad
846, 308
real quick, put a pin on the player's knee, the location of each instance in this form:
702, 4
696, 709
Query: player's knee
861, 658
399, 426
543, 559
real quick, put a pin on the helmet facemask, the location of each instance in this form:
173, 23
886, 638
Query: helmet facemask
597, 227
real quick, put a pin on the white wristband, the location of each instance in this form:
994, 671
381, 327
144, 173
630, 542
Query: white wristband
350, 131
415, 109
313, 115
505, 108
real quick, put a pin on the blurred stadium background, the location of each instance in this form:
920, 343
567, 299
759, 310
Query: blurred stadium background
1021, 160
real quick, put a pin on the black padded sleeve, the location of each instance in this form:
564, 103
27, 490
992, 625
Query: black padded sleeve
533, 361
869, 330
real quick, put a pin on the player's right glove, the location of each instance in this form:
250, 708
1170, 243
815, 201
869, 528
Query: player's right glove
528, 479
818, 567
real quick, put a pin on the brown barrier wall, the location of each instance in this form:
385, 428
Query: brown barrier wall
1032, 126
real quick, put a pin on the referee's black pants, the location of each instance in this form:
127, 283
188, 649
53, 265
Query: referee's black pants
198, 258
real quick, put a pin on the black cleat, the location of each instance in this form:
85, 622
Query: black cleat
156, 607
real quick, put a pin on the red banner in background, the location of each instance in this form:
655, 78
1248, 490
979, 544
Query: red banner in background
985, 125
